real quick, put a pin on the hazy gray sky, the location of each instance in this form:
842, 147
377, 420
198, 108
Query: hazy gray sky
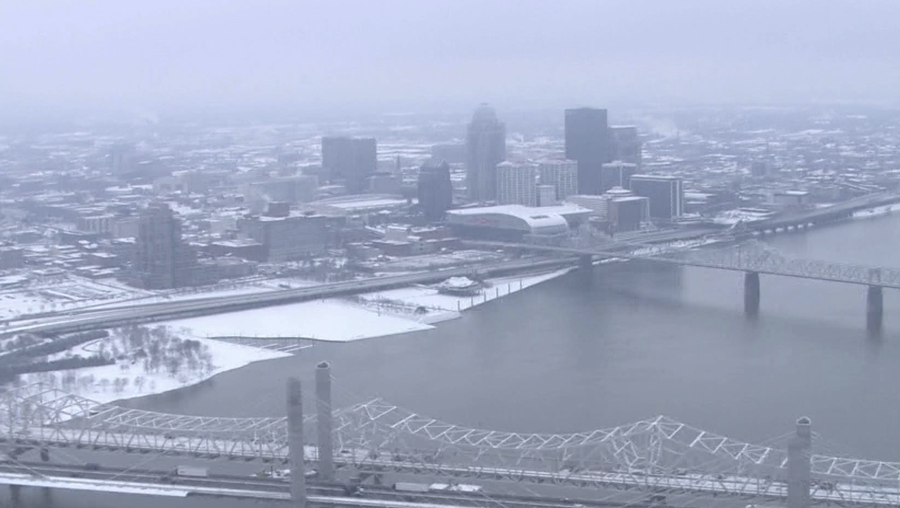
152, 54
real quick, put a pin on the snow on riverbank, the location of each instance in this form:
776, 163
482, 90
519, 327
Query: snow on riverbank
328, 320
430, 298
371, 315
99, 383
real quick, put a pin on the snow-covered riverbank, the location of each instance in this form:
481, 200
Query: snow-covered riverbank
126, 379
363, 317
335, 320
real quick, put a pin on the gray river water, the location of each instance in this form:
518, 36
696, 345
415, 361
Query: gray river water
631, 341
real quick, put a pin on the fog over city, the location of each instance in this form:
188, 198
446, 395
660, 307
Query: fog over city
412, 54
449, 253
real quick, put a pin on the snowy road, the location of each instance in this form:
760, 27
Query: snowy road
166, 311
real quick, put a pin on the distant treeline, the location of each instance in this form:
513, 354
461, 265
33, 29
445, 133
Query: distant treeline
54, 346
20, 361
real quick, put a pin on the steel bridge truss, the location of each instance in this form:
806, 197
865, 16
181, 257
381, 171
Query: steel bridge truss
756, 256
658, 454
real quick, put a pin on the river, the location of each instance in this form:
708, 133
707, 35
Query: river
631, 341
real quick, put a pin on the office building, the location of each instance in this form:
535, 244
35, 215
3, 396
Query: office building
666, 194
349, 161
294, 189
122, 158
617, 174
286, 236
162, 260
435, 191
546, 195
586, 143
485, 148
517, 184
562, 175
627, 213
625, 144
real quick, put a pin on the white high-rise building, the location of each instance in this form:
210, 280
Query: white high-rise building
546, 195
561, 174
517, 184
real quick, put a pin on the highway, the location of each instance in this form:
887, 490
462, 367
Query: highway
92, 319
321, 493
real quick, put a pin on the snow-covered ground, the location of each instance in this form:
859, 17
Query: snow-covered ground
429, 297
370, 315
99, 383
329, 320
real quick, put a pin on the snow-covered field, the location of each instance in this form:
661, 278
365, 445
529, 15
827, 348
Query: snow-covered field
371, 315
115, 382
329, 320
337, 320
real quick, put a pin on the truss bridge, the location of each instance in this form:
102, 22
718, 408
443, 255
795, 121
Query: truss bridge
656, 455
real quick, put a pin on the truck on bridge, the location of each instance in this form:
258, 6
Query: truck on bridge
192, 471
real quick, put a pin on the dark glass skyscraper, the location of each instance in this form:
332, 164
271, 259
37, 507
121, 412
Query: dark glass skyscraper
485, 148
349, 160
587, 137
435, 191
162, 260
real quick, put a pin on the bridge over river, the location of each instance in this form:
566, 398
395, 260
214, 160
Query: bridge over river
656, 456
751, 257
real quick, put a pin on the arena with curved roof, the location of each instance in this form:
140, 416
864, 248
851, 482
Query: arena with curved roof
513, 222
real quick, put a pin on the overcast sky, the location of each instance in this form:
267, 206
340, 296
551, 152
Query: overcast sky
160, 54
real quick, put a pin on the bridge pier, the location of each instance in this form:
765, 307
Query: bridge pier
586, 262
798, 465
874, 309
751, 293
324, 416
296, 452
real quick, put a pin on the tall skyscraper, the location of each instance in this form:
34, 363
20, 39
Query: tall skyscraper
517, 184
162, 260
666, 194
485, 148
587, 137
349, 161
625, 144
435, 190
122, 158
563, 175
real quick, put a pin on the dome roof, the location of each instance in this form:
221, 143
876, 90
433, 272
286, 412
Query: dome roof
484, 113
